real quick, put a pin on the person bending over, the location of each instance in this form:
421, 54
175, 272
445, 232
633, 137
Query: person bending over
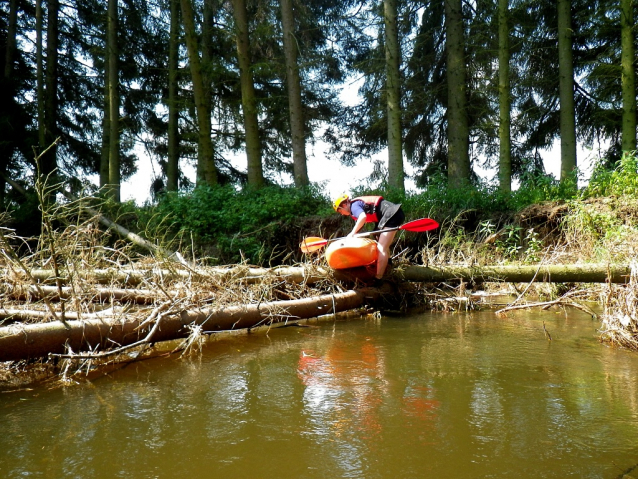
373, 209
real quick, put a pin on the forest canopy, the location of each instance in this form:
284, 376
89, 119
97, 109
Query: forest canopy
445, 87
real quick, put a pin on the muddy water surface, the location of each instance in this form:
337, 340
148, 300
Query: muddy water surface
431, 395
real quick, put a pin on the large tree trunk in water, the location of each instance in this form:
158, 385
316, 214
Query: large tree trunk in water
628, 75
457, 122
393, 96
556, 273
172, 167
299, 160
248, 99
566, 91
206, 170
48, 161
38, 340
504, 102
114, 103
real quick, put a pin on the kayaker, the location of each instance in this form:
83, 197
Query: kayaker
373, 209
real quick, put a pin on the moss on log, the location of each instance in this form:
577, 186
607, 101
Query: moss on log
556, 273
136, 276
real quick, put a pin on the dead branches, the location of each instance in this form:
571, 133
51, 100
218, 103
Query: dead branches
24, 341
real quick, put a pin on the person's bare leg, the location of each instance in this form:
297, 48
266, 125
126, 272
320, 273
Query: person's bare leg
385, 240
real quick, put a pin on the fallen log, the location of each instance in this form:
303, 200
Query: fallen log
19, 341
136, 276
554, 273
101, 295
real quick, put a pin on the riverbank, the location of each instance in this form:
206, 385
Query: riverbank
77, 277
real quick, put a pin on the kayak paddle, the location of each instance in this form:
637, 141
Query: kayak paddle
315, 243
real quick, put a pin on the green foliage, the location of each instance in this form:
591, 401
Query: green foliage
439, 201
534, 247
589, 222
537, 188
238, 225
509, 243
623, 180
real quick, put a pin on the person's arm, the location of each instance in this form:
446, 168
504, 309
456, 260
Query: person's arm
361, 220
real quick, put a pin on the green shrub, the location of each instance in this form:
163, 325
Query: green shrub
240, 225
623, 180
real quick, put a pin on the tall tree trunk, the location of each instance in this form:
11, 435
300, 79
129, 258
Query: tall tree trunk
206, 170
393, 96
458, 129
48, 161
207, 51
505, 145
299, 160
248, 99
39, 61
8, 92
11, 39
114, 102
566, 91
172, 167
628, 59
106, 122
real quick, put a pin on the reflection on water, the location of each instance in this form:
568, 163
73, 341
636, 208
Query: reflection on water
434, 395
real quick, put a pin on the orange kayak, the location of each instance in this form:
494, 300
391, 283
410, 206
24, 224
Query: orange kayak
351, 253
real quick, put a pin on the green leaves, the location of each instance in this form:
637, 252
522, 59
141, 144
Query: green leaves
240, 225
622, 181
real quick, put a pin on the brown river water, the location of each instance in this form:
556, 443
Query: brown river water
434, 395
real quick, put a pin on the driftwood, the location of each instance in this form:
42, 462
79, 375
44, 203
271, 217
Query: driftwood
101, 295
562, 301
19, 341
134, 277
555, 273
566, 273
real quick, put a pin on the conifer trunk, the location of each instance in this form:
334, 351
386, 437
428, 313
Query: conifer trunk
39, 74
248, 99
393, 96
48, 161
504, 103
566, 90
628, 75
206, 170
457, 121
106, 124
6, 150
172, 167
11, 39
297, 133
114, 102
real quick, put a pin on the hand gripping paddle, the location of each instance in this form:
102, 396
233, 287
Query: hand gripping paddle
311, 244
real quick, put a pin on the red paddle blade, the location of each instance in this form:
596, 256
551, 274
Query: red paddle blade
312, 244
419, 226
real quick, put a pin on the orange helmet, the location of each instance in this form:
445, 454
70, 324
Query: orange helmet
340, 200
